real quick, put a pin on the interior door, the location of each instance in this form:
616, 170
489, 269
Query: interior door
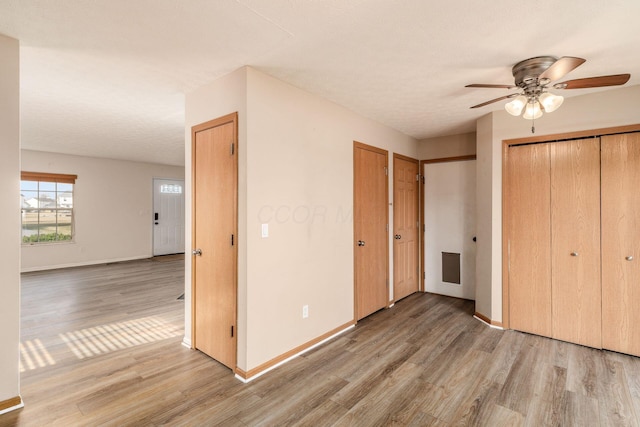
215, 189
621, 243
371, 247
529, 238
168, 220
575, 237
405, 226
449, 215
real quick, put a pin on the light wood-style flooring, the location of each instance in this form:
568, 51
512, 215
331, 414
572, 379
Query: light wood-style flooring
101, 345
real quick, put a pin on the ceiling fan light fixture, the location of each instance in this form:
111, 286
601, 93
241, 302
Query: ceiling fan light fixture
532, 111
516, 106
551, 102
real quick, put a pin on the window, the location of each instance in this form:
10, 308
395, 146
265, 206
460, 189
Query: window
46, 201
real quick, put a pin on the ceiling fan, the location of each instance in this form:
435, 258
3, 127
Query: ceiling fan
534, 75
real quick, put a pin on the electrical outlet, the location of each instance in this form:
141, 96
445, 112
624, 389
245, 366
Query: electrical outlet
305, 311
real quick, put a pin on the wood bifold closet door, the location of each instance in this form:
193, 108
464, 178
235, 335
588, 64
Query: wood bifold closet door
529, 245
405, 226
575, 242
620, 243
573, 236
554, 240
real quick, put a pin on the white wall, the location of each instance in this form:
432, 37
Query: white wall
447, 146
297, 172
610, 108
9, 218
113, 208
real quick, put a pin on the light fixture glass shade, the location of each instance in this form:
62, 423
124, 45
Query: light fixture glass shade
551, 102
516, 106
532, 111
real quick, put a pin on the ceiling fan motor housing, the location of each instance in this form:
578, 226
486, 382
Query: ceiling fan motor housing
526, 74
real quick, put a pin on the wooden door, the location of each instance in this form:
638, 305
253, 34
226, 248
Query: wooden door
621, 243
405, 226
529, 239
214, 271
371, 247
575, 236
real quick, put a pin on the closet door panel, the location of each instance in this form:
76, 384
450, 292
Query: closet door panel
621, 243
575, 241
529, 245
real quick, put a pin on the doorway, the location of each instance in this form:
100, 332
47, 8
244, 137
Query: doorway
215, 230
371, 235
449, 235
168, 216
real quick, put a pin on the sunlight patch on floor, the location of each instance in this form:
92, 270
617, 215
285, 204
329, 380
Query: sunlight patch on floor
120, 335
33, 354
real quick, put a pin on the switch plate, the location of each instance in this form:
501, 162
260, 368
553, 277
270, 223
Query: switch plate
305, 311
265, 230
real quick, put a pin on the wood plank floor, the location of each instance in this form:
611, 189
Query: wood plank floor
101, 345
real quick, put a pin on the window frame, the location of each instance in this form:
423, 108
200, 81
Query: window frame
40, 177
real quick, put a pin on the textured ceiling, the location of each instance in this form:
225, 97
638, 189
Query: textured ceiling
107, 78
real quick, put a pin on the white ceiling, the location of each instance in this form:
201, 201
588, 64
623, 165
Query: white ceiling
107, 78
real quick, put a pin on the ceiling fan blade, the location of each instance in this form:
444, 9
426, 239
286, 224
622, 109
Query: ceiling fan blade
561, 67
491, 86
613, 80
495, 100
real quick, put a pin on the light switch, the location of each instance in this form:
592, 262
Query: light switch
265, 230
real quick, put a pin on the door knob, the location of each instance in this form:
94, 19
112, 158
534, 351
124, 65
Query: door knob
629, 258
574, 253
398, 237
197, 252
360, 242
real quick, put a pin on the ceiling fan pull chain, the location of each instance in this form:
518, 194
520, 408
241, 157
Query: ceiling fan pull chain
533, 125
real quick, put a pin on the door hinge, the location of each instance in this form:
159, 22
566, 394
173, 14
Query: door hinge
418, 177
233, 148
386, 170
418, 225
424, 275
231, 331
387, 227
232, 240
423, 179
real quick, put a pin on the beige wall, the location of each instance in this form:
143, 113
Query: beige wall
616, 107
447, 146
227, 94
113, 207
9, 218
298, 171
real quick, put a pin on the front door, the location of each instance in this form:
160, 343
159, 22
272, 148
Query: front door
215, 189
168, 216
371, 245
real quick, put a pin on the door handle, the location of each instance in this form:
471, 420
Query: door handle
574, 253
360, 242
197, 252
397, 237
629, 258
